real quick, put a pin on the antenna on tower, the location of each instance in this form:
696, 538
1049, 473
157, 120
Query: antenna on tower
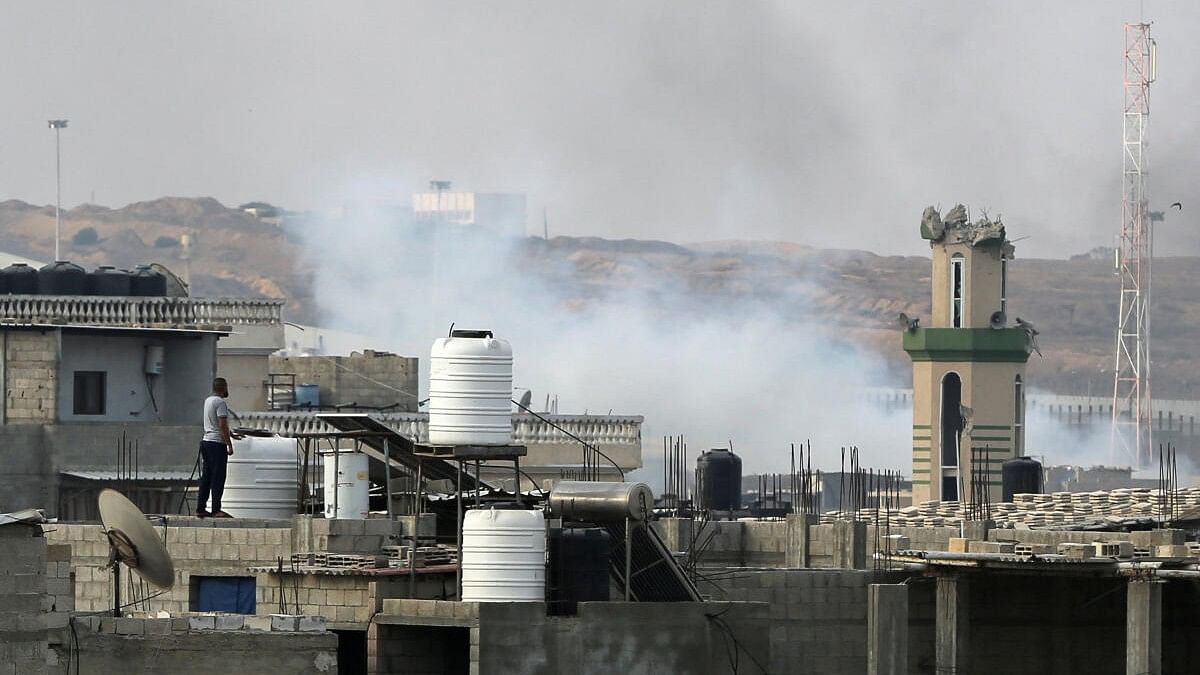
1131, 407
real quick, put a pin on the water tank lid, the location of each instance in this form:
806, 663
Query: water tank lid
471, 333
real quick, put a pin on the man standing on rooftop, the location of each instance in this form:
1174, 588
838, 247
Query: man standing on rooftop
215, 449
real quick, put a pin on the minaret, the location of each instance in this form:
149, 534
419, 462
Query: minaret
968, 365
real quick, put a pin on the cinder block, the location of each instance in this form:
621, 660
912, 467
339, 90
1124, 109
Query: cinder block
284, 622
205, 622
311, 624
230, 621
157, 626
959, 544
1171, 551
1076, 551
1114, 549
262, 623
127, 626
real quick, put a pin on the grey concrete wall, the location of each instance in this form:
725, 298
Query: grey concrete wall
818, 618
35, 455
368, 379
178, 392
247, 377
133, 645
22, 595
617, 637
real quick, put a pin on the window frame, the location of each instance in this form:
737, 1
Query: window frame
78, 386
958, 291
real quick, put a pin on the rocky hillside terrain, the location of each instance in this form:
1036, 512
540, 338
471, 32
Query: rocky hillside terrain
855, 294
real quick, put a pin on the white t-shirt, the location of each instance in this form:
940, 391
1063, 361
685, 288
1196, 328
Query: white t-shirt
215, 407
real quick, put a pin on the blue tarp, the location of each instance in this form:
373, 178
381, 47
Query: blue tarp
225, 594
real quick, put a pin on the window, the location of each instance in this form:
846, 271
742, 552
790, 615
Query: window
1004, 285
1018, 417
952, 423
89, 392
222, 594
950, 488
957, 291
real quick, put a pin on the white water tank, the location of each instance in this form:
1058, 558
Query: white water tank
347, 480
262, 479
503, 556
470, 390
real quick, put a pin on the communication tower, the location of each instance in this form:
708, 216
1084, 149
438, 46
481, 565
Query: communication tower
1132, 435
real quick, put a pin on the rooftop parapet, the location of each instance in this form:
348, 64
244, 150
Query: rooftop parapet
138, 312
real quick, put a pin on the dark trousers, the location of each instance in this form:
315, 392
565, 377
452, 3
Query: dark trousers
212, 474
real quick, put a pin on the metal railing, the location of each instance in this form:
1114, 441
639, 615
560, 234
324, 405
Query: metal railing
136, 311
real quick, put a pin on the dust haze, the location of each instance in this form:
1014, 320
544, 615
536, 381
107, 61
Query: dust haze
821, 123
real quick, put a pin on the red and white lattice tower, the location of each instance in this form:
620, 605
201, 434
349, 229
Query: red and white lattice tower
1132, 435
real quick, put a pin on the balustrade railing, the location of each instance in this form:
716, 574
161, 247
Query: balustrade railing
139, 311
600, 430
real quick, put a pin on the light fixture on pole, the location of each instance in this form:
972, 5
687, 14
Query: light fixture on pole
57, 126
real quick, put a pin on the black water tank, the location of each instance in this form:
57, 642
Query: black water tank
719, 480
579, 559
108, 280
145, 282
20, 279
62, 278
1021, 475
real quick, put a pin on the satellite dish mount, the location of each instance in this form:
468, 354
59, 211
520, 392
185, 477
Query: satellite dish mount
133, 542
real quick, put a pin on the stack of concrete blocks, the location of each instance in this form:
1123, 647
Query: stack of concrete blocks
205, 644
198, 548
1165, 543
30, 377
23, 643
365, 537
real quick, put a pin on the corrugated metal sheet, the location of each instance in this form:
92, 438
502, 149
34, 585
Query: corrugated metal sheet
142, 477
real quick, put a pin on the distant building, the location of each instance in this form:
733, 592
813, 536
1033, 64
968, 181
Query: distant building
501, 213
103, 388
968, 364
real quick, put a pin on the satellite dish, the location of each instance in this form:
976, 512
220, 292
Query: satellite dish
526, 399
133, 542
998, 320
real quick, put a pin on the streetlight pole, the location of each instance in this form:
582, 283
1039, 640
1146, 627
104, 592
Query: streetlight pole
57, 126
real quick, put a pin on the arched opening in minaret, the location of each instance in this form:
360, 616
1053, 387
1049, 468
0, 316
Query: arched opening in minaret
951, 430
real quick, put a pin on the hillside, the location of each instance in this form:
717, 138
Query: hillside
855, 293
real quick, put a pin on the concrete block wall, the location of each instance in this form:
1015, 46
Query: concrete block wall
198, 549
368, 379
354, 536
340, 599
181, 646
23, 642
818, 618
30, 376
422, 650
603, 638
58, 603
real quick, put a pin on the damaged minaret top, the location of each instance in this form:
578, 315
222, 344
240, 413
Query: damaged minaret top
956, 228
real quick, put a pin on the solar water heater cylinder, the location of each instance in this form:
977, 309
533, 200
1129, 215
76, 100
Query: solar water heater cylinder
600, 502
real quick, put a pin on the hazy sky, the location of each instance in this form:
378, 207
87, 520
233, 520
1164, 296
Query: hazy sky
822, 123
